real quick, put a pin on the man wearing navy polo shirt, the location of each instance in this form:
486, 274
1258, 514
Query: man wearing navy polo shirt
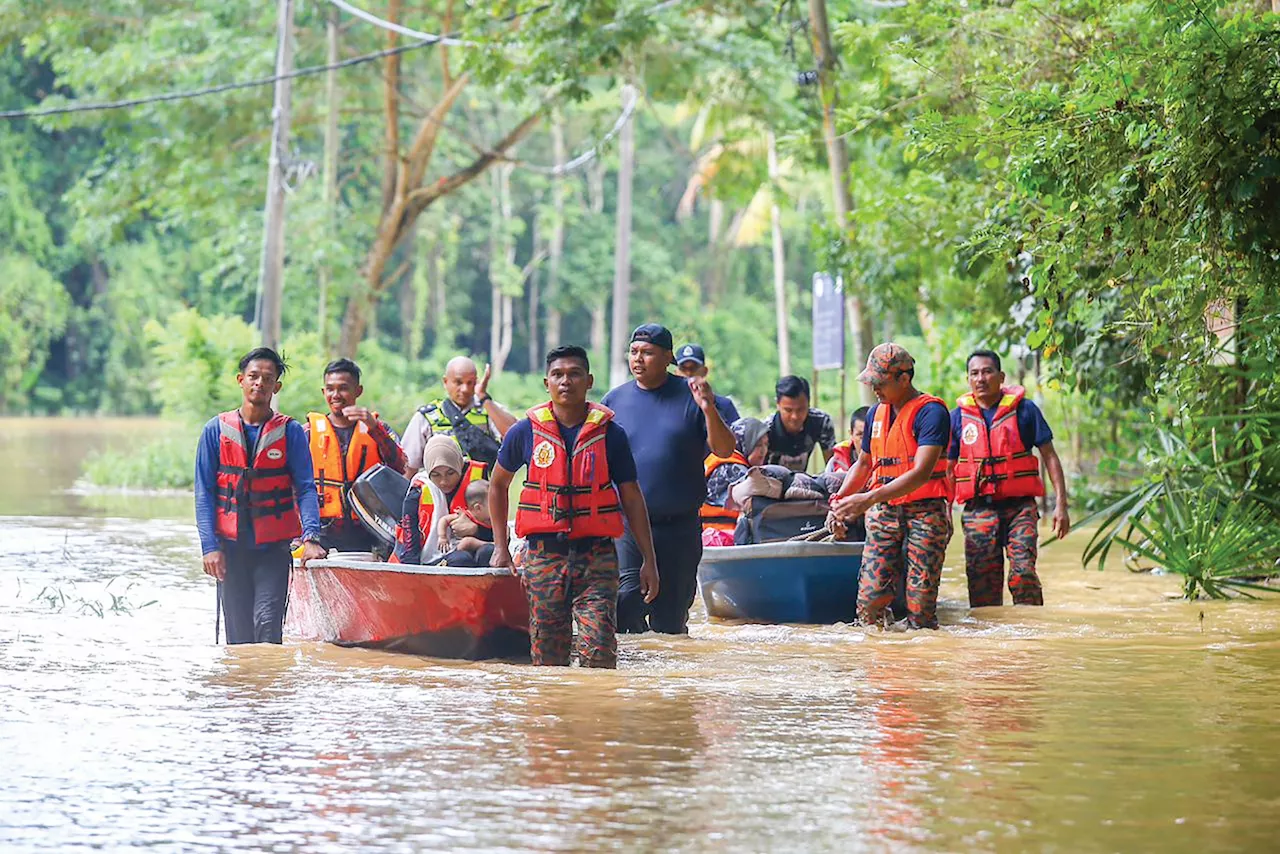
997, 478
670, 422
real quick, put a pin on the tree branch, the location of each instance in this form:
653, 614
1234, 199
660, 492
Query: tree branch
424, 141
419, 199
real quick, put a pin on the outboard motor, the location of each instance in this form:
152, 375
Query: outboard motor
377, 497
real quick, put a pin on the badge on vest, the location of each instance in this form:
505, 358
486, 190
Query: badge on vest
275, 454
969, 435
544, 454
876, 429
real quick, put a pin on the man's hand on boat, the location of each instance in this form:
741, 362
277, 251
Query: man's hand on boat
215, 565
502, 558
649, 580
313, 551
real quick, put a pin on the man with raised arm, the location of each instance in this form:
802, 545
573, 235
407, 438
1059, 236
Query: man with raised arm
466, 412
580, 483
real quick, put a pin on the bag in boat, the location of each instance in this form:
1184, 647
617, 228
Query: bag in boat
767, 520
377, 497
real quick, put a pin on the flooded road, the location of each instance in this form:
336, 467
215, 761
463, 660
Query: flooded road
1114, 718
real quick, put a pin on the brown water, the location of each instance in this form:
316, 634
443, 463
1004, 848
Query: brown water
1113, 719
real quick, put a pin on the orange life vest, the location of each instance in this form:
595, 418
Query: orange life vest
994, 462
263, 488
718, 517
893, 451
335, 473
427, 504
842, 456
569, 492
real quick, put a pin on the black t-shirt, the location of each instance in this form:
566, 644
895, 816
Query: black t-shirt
793, 449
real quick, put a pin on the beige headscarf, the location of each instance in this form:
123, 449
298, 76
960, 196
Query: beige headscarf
441, 451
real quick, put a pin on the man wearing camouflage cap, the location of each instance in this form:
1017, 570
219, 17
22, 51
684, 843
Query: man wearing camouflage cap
908, 498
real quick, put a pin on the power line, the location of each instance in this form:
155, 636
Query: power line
209, 90
447, 41
629, 100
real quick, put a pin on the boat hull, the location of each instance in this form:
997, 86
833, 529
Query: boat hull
786, 582
443, 612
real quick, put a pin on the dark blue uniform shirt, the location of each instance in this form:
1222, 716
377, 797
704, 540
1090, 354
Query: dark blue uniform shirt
931, 426
517, 449
1032, 427
668, 435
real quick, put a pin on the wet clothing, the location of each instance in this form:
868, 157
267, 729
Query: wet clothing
904, 540
1032, 426
254, 592
992, 529
668, 436
298, 465
677, 542
570, 581
794, 449
342, 530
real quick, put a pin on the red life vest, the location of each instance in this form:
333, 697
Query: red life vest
427, 504
263, 488
718, 517
334, 473
842, 456
893, 451
994, 462
569, 493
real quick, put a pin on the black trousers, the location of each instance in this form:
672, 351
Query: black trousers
254, 592
678, 543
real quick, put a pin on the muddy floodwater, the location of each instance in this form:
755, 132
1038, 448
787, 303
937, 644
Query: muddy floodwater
1113, 719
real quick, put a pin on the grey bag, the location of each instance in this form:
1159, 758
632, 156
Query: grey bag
766, 520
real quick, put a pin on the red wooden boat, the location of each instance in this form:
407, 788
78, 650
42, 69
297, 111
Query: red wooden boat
440, 611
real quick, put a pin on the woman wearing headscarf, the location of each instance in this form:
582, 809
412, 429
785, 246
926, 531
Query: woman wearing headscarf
751, 444
437, 489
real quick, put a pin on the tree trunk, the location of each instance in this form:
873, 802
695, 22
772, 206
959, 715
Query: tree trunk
502, 259
838, 161
622, 254
533, 333
779, 265
715, 227
271, 281
595, 197
559, 188
391, 109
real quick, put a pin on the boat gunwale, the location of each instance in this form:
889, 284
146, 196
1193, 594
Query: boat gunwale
407, 569
784, 549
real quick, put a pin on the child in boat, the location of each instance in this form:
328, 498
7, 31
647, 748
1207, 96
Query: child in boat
475, 550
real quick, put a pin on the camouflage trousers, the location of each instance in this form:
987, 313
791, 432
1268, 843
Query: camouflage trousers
572, 581
915, 533
990, 529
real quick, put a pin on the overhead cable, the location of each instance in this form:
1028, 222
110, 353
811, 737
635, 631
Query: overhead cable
629, 100
447, 41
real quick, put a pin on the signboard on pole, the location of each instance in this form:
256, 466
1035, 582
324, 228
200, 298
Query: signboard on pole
828, 322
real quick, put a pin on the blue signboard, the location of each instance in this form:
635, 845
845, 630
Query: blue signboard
828, 322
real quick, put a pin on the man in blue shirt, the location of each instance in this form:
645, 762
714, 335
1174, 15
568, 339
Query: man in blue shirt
254, 493
670, 421
691, 361
997, 478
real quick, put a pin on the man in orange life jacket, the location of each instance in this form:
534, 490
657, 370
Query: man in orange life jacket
908, 504
581, 481
997, 478
253, 482
346, 442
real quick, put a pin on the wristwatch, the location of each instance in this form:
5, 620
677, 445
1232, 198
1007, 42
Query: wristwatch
482, 399
311, 538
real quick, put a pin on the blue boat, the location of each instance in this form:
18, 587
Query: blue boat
786, 582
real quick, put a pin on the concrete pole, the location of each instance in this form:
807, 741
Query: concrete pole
271, 279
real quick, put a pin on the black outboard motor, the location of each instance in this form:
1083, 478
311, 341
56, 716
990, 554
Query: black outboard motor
377, 497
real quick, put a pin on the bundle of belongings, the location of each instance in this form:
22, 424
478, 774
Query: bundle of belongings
776, 503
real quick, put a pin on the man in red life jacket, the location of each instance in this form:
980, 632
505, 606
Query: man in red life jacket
255, 493
997, 478
345, 442
844, 453
907, 501
581, 481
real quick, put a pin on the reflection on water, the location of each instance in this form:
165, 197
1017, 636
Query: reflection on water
1113, 719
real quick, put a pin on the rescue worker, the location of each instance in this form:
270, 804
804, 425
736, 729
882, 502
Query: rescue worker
346, 442
466, 412
796, 428
451, 473
671, 423
691, 361
907, 502
580, 483
844, 453
253, 481
997, 478
751, 443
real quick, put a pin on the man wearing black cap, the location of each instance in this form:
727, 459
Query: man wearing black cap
670, 422
691, 361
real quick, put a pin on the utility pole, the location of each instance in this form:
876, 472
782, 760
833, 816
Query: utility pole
271, 279
622, 251
330, 172
838, 161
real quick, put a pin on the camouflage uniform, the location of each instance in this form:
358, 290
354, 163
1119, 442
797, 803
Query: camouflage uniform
991, 527
572, 580
917, 531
